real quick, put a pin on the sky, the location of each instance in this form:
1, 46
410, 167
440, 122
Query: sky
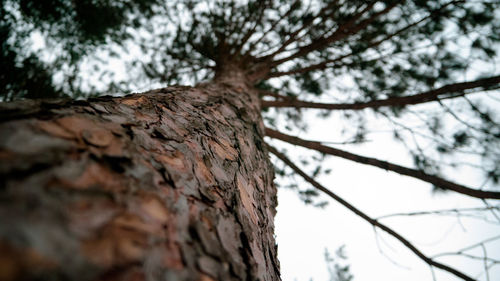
304, 232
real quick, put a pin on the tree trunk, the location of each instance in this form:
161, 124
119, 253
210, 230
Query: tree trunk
172, 184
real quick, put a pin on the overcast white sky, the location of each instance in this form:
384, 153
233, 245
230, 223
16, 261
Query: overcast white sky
303, 232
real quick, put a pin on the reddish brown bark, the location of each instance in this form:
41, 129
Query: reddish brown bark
172, 184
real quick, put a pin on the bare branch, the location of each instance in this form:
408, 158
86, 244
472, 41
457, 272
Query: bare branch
485, 255
491, 209
473, 257
264, 93
440, 212
364, 216
472, 213
437, 181
461, 251
381, 251
450, 90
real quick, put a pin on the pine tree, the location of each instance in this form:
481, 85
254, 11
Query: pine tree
175, 183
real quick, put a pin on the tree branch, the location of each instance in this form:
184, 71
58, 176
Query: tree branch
432, 95
464, 212
267, 93
293, 35
273, 26
367, 218
250, 32
437, 181
344, 31
327, 63
469, 247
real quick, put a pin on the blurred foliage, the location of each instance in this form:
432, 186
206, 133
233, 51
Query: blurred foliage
69, 30
348, 51
338, 268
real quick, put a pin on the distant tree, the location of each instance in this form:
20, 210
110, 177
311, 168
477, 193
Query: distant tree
415, 64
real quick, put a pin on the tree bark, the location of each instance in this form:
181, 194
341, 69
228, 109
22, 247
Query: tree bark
172, 184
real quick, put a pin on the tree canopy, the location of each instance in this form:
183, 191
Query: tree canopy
426, 68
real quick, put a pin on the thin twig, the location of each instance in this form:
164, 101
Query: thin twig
381, 251
440, 212
370, 220
459, 252
485, 254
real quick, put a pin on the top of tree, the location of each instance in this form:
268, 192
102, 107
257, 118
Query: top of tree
382, 55
388, 48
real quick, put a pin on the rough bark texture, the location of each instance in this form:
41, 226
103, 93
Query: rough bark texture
173, 184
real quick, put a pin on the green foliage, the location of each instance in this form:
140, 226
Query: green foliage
70, 31
338, 268
358, 50
201, 35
